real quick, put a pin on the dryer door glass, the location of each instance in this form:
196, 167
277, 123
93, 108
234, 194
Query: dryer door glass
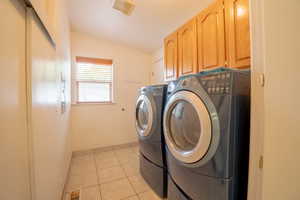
142, 115
185, 127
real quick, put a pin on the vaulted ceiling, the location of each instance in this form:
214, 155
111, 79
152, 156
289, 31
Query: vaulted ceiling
145, 29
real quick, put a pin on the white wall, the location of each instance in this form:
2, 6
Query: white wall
157, 67
282, 100
276, 45
96, 126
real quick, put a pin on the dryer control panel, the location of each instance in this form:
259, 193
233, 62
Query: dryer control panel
219, 83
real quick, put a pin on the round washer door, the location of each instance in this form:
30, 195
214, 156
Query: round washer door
144, 116
187, 126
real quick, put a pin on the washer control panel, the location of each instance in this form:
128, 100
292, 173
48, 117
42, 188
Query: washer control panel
217, 83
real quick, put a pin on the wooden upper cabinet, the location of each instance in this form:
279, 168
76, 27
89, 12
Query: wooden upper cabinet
211, 37
218, 36
238, 33
187, 48
171, 59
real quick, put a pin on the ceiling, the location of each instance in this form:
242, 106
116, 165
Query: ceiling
145, 29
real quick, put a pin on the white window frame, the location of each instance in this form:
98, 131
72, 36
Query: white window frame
111, 83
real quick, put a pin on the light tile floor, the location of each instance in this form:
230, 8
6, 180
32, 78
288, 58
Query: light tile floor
109, 175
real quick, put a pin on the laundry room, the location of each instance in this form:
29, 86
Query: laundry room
149, 100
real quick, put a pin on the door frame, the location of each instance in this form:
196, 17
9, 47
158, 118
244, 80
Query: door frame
257, 99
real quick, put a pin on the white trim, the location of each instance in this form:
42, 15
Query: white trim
93, 104
257, 99
104, 148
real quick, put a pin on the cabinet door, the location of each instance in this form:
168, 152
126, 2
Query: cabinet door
171, 62
211, 37
187, 48
238, 33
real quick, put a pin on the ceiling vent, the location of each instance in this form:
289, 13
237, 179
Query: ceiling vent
125, 6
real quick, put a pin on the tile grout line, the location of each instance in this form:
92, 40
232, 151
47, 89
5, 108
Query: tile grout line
129, 197
121, 165
136, 193
146, 190
127, 178
118, 179
98, 182
81, 187
113, 151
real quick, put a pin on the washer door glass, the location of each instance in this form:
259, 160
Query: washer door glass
142, 115
185, 127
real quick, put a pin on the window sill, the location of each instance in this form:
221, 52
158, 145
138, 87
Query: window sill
93, 104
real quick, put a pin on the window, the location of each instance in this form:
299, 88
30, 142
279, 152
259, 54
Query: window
94, 80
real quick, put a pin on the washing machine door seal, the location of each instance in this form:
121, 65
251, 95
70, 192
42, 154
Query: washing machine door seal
144, 116
188, 128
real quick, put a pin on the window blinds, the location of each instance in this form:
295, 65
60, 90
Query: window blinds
94, 72
94, 77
